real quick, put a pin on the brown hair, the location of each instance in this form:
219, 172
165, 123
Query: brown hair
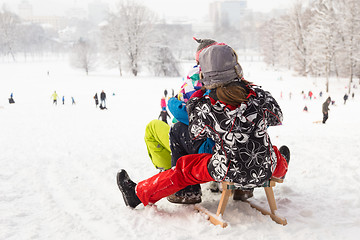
232, 93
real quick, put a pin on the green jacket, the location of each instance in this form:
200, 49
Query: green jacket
54, 96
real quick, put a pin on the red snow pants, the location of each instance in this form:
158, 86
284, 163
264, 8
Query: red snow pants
281, 165
189, 170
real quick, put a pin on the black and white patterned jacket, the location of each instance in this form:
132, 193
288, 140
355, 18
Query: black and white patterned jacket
243, 153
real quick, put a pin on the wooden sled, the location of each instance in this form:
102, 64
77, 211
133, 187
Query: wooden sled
317, 122
227, 191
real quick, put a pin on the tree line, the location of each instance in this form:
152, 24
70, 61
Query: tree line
20, 37
320, 39
132, 39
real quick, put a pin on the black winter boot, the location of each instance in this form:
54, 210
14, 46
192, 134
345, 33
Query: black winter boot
214, 187
189, 195
127, 188
285, 151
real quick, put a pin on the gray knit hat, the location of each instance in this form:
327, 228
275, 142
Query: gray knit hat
219, 66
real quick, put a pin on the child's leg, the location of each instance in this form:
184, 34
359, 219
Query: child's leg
181, 143
189, 170
157, 143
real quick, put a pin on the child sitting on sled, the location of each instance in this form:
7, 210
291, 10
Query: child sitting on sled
235, 115
167, 144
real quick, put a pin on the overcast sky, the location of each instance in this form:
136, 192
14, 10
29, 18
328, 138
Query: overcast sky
165, 8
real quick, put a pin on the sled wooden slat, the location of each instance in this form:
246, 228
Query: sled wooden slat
214, 219
274, 217
228, 187
271, 199
224, 197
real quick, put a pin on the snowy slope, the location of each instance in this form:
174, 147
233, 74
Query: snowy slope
58, 163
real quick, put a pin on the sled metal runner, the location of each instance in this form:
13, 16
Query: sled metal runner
228, 189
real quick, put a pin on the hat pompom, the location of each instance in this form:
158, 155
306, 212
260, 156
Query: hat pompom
203, 43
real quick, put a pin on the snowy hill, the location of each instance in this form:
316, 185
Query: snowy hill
58, 163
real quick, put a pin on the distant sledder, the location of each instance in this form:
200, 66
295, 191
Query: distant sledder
96, 100
11, 99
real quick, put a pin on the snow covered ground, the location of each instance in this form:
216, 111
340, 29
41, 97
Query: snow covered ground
58, 163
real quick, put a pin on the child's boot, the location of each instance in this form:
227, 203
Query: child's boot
214, 187
127, 188
285, 152
189, 195
243, 195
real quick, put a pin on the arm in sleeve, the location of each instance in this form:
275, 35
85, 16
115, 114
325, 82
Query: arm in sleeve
197, 120
272, 111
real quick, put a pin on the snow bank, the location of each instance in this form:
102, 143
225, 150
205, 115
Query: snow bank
58, 163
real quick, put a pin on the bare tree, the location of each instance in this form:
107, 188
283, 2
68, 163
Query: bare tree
84, 55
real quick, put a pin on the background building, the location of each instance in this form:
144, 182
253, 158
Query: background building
226, 14
25, 9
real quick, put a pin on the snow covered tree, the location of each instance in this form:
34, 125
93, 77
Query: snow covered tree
350, 25
270, 42
133, 23
32, 38
322, 39
8, 32
299, 20
284, 39
162, 62
159, 55
286, 46
84, 55
112, 42
174, 36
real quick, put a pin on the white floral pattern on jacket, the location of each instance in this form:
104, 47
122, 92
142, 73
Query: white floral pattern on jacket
243, 153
